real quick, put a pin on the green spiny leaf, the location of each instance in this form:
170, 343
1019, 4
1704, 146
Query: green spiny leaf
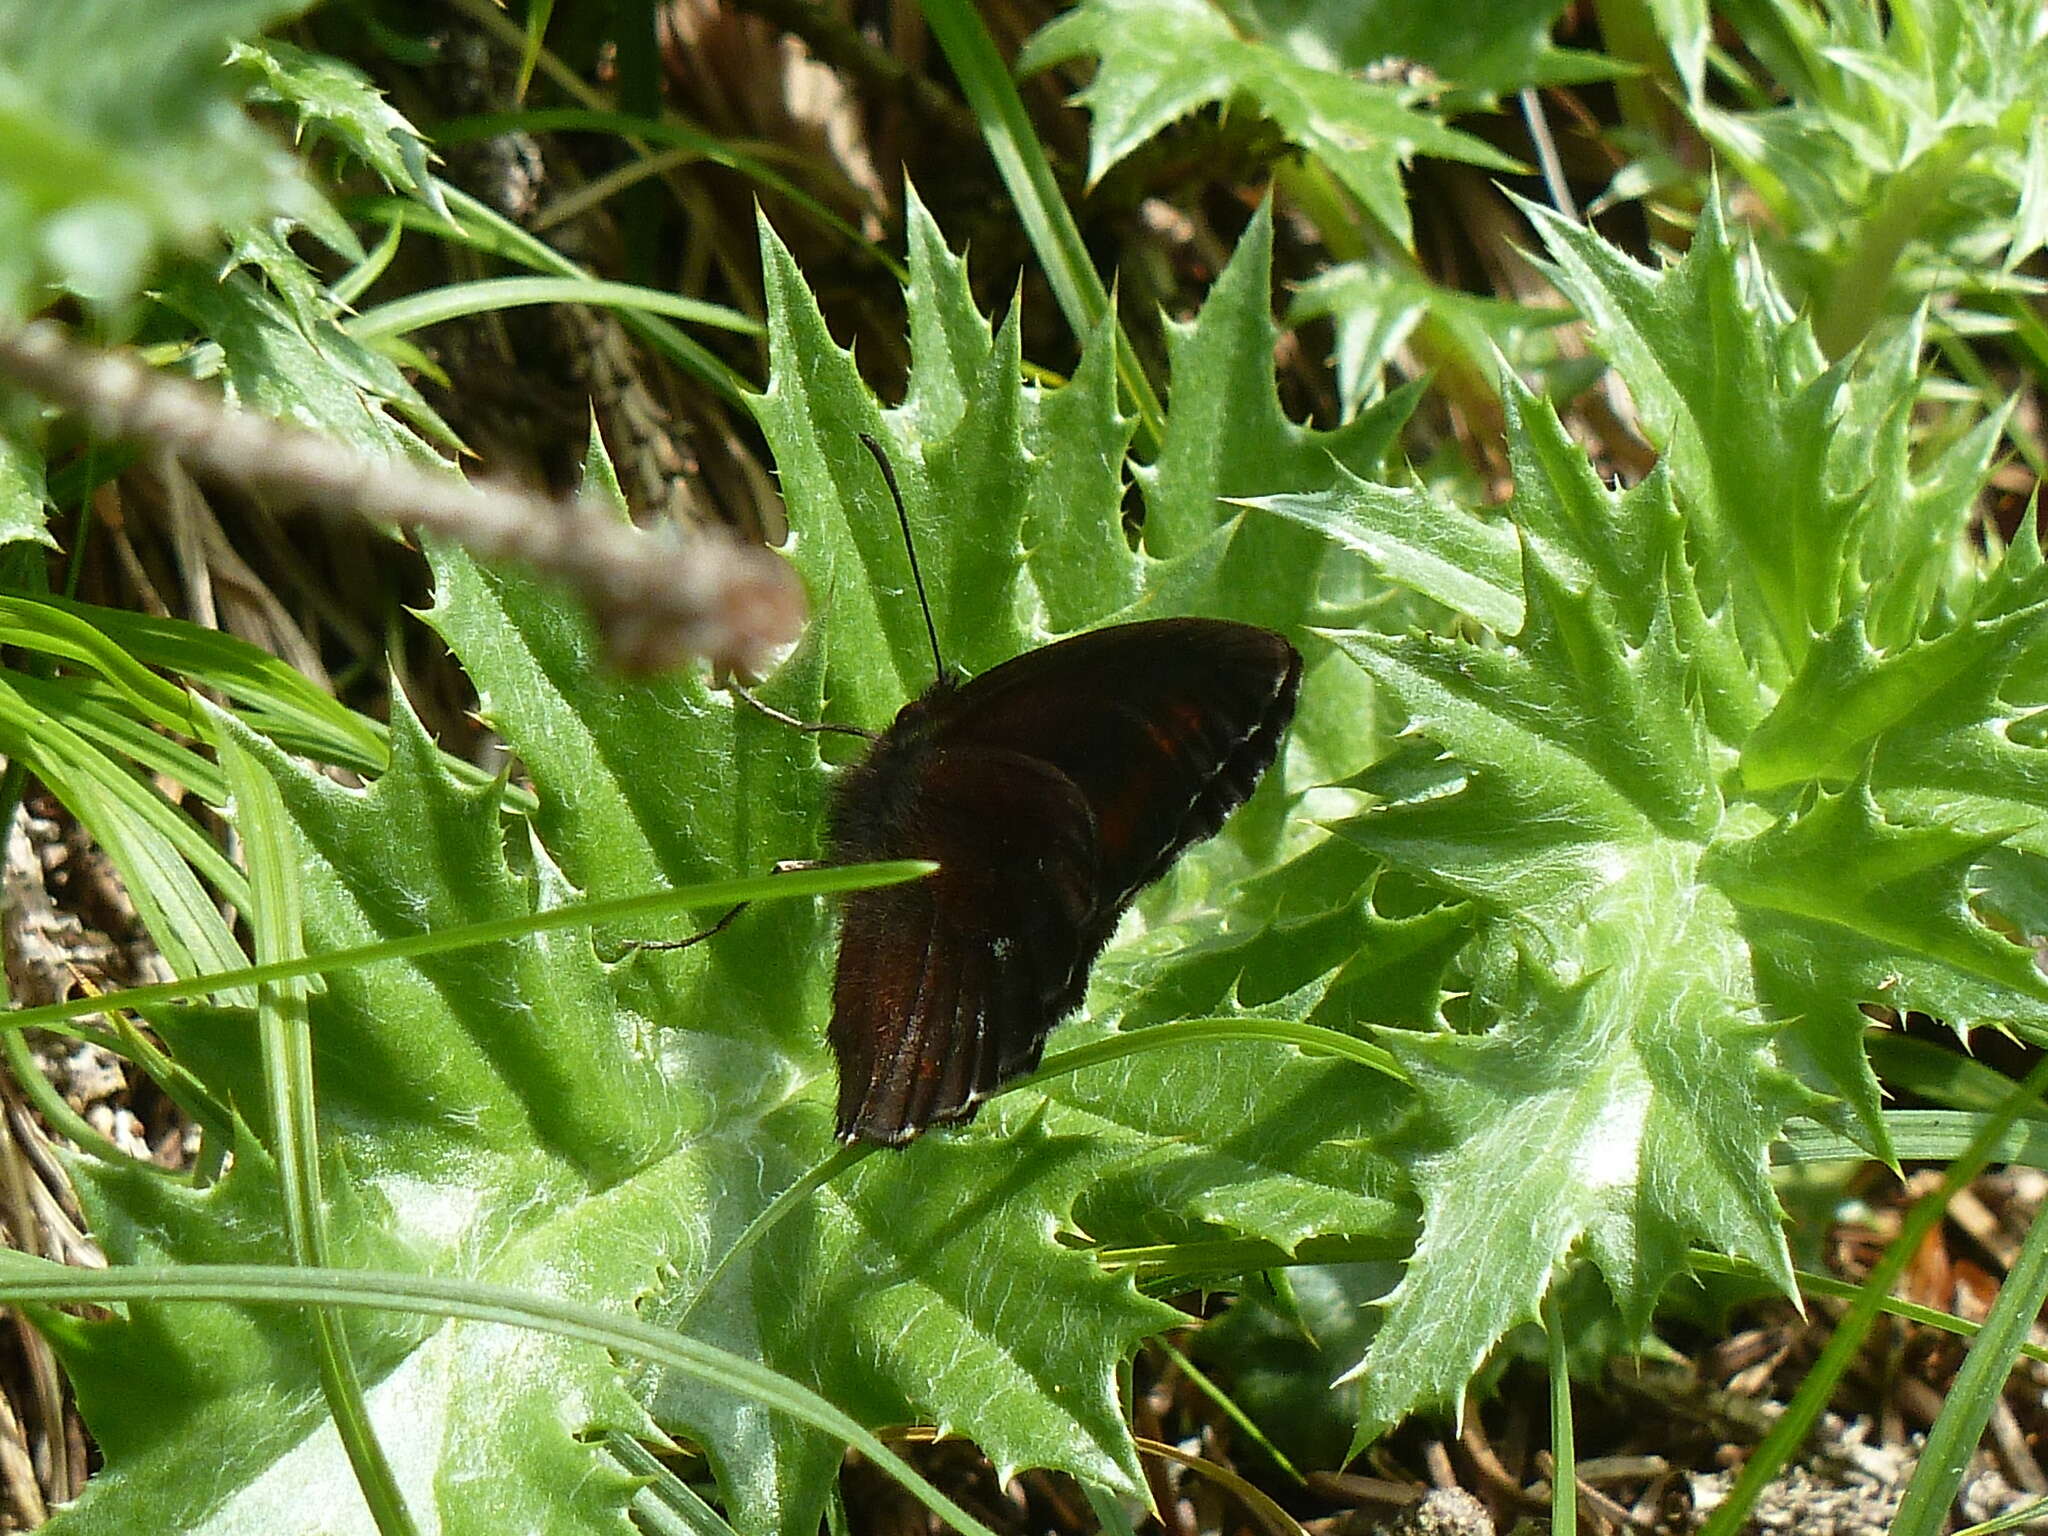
1628, 1109
1159, 60
1743, 413
1634, 546
1847, 903
1512, 50
1847, 697
1075, 550
24, 516
1416, 540
330, 97
1620, 751
1228, 437
467, 1141
1654, 937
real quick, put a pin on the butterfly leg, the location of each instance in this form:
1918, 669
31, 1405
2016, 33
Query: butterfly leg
808, 727
782, 867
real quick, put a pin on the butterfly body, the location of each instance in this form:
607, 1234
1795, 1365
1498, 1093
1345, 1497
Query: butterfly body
1050, 790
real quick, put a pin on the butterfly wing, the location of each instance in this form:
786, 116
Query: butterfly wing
1164, 727
946, 986
1051, 790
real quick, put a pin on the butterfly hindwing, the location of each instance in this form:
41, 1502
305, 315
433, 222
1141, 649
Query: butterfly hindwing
945, 984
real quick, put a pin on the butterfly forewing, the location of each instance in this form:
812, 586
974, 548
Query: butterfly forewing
1164, 727
1051, 790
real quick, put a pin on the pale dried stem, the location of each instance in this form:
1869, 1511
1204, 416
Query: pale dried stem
658, 597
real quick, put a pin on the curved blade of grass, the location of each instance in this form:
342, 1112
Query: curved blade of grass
582, 914
677, 135
637, 129
279, 697
1967, 1408
417, 310
1934, 1135
483, 228
48, 629
1160, 1037
285, 1037
105, 794
26, 1278
993, 98
93, 711
2011, 1520
1929, 1071
538, 15
154, 847
119, 648
1803, 1412
1227, 1406
1163, 1268
616, 185
666, 1504
357, 280
216, 1117
813, 1179
274, 699
1907, 1311
35, 1084
1261, 1504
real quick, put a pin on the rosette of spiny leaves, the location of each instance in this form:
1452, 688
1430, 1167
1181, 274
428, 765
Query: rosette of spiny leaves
1738, 744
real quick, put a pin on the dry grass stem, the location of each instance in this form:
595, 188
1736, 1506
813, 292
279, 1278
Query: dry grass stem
657, 597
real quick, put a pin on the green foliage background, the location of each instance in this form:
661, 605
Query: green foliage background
1606, 812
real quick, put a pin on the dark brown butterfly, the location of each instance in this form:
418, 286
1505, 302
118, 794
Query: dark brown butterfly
1051, 790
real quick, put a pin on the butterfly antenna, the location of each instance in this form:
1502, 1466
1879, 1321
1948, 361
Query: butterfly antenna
909, 546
